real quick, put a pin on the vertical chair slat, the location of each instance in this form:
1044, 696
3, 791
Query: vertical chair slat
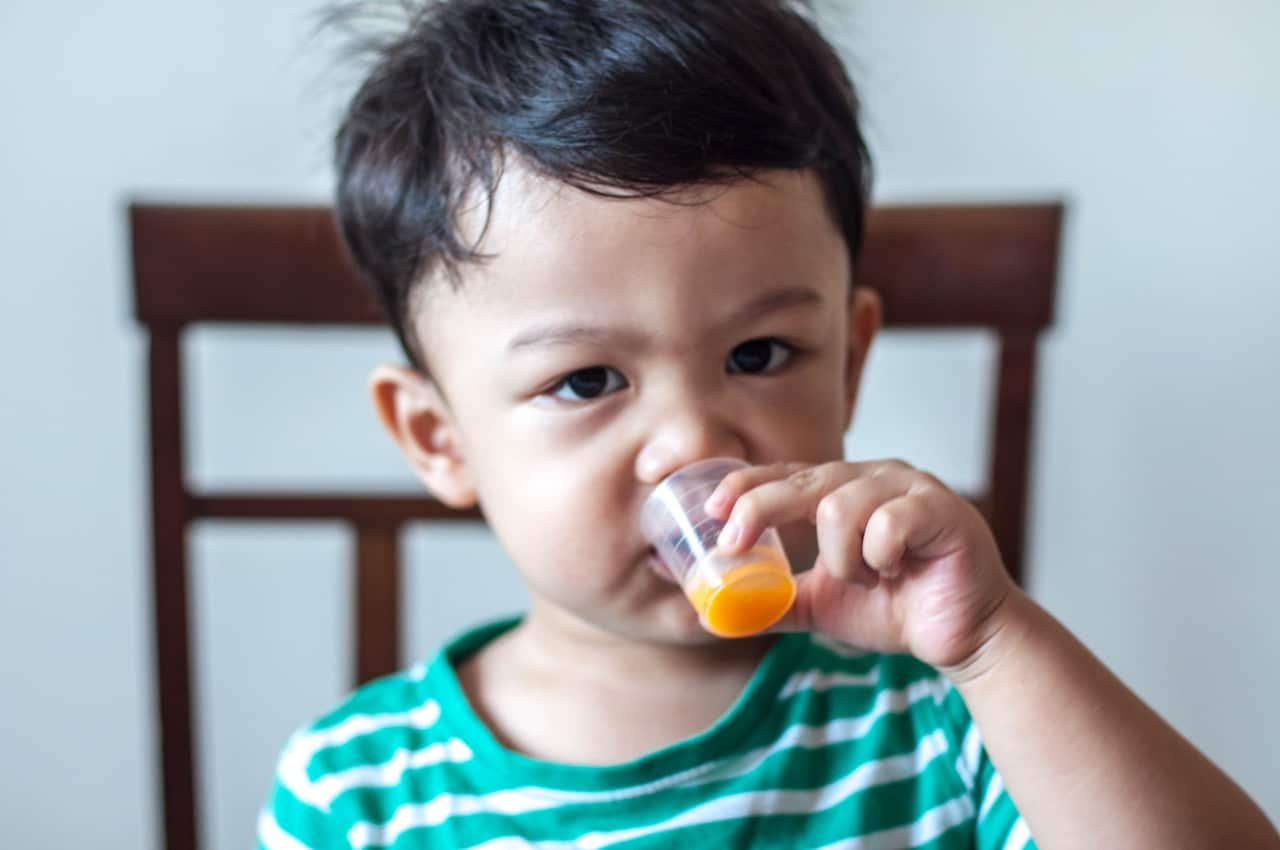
169, 511
377, 600
1011, 447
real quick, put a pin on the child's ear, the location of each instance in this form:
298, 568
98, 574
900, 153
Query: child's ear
420, 421
865, 314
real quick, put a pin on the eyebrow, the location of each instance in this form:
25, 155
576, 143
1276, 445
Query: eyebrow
775, 301
571, 333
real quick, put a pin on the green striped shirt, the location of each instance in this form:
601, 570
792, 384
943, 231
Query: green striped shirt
827, 747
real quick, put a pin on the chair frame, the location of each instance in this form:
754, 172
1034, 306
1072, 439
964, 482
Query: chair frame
936, 266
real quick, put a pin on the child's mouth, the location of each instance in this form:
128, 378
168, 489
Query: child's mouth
660, 567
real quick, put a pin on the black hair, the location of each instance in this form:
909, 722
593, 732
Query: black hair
628, 98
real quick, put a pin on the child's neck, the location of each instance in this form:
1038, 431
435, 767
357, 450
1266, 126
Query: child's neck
569, 693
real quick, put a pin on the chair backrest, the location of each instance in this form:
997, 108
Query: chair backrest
954, 266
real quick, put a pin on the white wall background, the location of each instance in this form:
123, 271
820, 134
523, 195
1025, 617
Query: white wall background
1157, 463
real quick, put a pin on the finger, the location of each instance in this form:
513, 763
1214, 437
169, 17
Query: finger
816, 589
908, 524
841, 519
835, 607
733, 485
785, 499
796, 496
740, 481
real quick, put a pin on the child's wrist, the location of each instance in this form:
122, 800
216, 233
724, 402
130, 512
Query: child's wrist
997, 637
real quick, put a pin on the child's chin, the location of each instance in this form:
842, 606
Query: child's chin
680, 625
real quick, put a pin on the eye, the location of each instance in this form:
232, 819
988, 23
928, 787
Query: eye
586, 384
758, 356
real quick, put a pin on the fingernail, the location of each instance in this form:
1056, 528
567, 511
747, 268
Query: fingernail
729, 535
715, 502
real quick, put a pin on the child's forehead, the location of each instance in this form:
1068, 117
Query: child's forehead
542, 219
554, 250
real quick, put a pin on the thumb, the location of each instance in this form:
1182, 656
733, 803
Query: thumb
825, 603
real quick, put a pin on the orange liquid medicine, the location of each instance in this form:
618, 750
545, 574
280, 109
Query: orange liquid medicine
734, 595
748, 597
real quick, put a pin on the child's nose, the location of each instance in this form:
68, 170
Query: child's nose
680, 439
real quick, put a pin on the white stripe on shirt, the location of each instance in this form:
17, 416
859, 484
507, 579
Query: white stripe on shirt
305, 745
728, 807
1019, 836
389, 773
817, 680
273, 837
929, 826
994, 789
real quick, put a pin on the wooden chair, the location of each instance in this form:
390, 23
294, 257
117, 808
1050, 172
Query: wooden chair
936, 267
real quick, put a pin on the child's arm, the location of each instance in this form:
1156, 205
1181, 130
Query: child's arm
1088, 763
906, 565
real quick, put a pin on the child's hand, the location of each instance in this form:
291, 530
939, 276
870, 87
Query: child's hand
904, 564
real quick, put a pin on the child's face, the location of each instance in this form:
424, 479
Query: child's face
609, 342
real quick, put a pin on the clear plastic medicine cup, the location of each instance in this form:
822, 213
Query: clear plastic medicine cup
734, 595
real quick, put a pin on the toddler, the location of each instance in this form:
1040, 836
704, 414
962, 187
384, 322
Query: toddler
616, 237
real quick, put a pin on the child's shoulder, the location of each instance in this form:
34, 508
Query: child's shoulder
369, 726
401, 696
368, 741
359, 751
408, 701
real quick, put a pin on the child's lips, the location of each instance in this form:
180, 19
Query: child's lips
660, 567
